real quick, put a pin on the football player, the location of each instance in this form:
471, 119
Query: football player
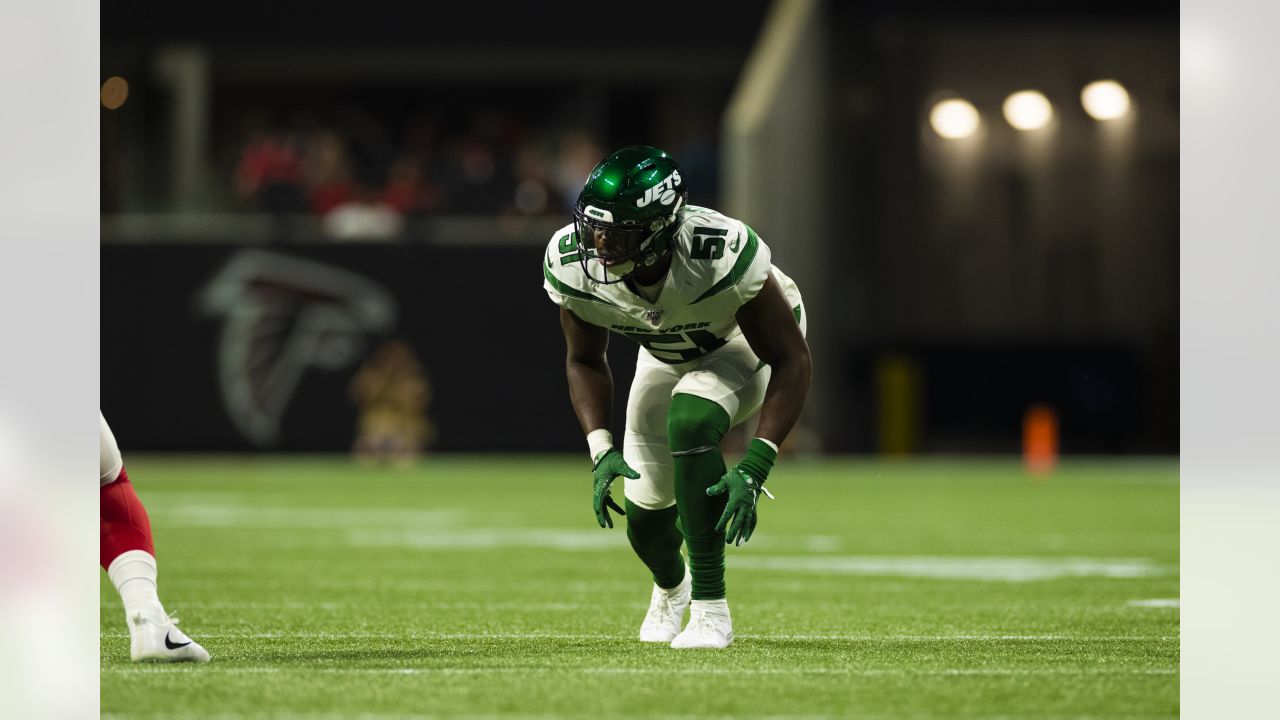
721, 336
129, 557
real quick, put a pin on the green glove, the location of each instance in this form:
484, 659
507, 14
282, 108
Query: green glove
744, 482
609, 466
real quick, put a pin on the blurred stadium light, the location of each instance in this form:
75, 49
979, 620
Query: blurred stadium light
1027, 110
954, 119
1105, 100
115, 90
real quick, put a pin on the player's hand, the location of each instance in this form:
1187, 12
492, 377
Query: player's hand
609, 466
740, 511
744, 483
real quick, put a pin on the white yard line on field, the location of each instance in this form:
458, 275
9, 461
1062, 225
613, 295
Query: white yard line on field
449, 529
604, 637
981, 568
274, 518
1156, 603
473, 538
1000, 569
736, 671
345, 606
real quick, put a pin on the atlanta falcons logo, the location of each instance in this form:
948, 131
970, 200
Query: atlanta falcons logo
282, 315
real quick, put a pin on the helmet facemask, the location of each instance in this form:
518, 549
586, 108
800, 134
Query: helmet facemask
619, 249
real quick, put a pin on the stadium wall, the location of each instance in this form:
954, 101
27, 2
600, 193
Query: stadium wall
230, 347
237, 348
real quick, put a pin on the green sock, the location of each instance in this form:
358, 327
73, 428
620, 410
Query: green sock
656, 540
695, 427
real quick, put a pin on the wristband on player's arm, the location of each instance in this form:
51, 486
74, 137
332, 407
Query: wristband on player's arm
759, 459
599, 442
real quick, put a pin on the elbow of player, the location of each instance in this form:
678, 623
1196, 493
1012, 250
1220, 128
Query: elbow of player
797, 367
579, 362
803, 364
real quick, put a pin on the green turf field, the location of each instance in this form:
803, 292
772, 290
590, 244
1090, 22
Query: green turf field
482, 587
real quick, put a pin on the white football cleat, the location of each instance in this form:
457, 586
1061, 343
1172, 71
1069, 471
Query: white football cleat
666, 611
709, 626
154, 639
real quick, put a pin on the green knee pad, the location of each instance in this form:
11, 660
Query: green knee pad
695, 427
656, 540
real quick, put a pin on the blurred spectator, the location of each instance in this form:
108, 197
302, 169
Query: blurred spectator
477, 185
490, 164
533, 183
363, 216
268, 175
327, 171
407, 189
579, 152
392, 391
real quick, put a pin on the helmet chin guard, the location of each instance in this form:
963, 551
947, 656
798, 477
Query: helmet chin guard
610, 253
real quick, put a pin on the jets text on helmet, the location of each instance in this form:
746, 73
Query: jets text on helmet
664, 191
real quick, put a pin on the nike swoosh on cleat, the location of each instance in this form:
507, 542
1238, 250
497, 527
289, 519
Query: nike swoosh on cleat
172, 645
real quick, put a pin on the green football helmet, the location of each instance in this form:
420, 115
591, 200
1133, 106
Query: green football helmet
626, 213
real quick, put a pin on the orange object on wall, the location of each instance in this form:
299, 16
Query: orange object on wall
1040, 439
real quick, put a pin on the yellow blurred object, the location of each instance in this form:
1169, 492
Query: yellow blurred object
115, 90
897, 388
393, 392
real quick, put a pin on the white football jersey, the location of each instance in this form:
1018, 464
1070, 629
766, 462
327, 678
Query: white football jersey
717, 265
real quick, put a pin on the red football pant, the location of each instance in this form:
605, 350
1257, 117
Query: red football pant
124, 525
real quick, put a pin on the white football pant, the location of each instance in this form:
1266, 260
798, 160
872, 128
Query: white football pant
727, 376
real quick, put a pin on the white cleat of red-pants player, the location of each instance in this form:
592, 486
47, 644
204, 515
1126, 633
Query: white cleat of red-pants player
128, 556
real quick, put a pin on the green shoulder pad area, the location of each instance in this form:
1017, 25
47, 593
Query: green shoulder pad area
563, 289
